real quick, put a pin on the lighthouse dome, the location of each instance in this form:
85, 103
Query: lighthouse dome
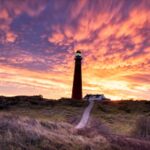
78, 53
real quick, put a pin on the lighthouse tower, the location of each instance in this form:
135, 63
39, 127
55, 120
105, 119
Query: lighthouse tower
77, 81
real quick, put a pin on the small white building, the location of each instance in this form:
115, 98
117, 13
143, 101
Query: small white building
96, 97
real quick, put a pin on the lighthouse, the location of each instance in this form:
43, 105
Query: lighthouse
77, 81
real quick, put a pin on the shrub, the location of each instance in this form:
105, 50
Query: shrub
124, 107
142, 129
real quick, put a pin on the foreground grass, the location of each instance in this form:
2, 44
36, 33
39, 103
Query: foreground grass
34, 123
24, 133
120, 117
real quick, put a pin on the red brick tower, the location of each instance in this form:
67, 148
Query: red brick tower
77, 81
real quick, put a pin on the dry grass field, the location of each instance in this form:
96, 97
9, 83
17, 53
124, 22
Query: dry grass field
34, 123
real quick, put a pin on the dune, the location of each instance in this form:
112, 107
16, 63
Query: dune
25, 133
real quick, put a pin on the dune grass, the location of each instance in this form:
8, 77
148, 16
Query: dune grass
113, 114
50, 125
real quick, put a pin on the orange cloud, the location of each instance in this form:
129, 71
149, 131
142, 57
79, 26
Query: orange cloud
56, 38
4, 14
10, 37
29, 79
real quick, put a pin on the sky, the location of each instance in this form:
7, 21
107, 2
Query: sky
38, 39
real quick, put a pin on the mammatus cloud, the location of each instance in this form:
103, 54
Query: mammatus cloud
38, 41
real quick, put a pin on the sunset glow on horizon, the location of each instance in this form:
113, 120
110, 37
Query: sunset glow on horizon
38, 40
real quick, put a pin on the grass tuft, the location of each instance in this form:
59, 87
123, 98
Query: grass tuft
142, 128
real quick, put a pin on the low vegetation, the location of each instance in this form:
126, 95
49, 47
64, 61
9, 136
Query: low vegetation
24, 133
31, 134
142, 128
37, 123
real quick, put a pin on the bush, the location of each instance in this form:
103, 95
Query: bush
142, 129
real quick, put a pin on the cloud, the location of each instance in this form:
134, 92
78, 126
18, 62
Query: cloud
38, 41
10, 37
